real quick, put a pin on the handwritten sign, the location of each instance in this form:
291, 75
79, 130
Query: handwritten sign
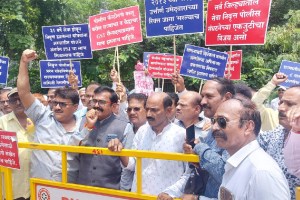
67, 42
237, 22
143, 84
115, 28
55, 74
203, 63
4, 64
236, 65
162, 66
9, 155
173, 17
292, 70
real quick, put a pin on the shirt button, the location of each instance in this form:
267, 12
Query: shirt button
98, 140
94, 168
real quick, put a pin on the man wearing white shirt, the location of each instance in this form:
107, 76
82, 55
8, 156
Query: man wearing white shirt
250, 173
159, 134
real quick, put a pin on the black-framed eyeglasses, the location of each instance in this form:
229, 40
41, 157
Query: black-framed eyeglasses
135, 109
100, 102
3, 102
14, 100
222, 122
61, 104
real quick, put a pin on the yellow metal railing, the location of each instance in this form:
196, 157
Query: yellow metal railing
100, 151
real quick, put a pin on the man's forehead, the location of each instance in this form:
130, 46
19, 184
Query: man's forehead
210, 87
292, 94
228, 108
58, 98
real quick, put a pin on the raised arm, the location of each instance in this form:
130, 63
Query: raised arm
23, 78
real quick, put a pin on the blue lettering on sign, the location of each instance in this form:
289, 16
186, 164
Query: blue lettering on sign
67, 42
55, 74
292, 70
4, 64
203, 63
173, 17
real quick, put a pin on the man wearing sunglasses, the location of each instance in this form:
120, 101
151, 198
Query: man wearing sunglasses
250, 173
59, 126
274, 142
17, 121
102, 125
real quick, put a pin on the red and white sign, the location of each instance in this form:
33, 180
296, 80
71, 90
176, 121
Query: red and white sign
115, 28
9, 155
143, 84
61, 193
235, 22
236, 65
162, 66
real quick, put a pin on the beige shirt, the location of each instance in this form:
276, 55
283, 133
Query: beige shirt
20, 178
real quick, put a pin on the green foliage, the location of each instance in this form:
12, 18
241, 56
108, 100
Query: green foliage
21, 22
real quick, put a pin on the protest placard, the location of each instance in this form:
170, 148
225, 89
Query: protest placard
55, 74
4, 64
235, 22
202, 63
115, 28
173, 17
146, 57
143, 84
67, 42
292, 70
236, 65
162, 66
9, 154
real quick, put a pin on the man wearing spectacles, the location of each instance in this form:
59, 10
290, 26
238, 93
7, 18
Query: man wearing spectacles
250, 173
4, 105
59, 126
17, 121
102, 125
136, 112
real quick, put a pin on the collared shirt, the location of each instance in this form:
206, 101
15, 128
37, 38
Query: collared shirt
20, 178
47, 164
158, 174
273, 142
251, 173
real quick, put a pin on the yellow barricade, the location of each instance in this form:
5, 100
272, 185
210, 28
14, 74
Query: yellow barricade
89, 189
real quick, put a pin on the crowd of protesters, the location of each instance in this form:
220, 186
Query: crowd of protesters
246, 150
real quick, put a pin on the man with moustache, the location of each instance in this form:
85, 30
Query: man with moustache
187, 112
136, 112
102, 125
212, 158
57, 127
17, 121
159, 134
273, 142
4, 105
250, 173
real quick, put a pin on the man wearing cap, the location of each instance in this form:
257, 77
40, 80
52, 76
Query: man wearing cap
275, 102
17, 121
